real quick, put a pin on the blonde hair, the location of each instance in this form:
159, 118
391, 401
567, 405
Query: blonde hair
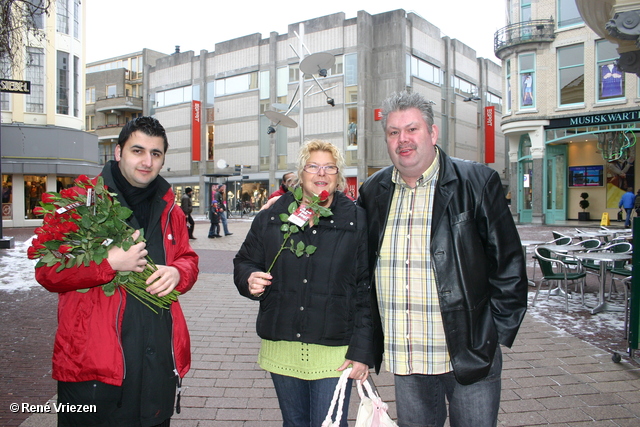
320, 145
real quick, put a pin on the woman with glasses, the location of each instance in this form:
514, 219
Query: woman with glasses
314, 317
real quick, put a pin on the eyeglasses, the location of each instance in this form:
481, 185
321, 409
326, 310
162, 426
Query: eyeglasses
312, 168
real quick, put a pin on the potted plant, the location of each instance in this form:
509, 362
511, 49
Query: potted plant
584, 204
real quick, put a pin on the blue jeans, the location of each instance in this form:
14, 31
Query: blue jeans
306, 403
223, 219
420, 399
627, 222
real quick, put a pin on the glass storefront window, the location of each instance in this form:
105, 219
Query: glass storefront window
63, 182
34, 186
7, 197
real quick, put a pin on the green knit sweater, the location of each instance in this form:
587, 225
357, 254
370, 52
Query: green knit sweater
301, 360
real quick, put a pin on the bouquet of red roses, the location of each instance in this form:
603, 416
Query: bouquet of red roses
80, 225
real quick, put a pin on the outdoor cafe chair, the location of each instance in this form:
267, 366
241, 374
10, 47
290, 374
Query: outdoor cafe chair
593, 267
558, 239
587, 245
555, 270
625, 278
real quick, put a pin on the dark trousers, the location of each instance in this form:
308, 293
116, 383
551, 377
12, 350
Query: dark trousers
190, 224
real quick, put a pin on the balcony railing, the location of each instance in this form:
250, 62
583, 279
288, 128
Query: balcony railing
119, 103
540, 30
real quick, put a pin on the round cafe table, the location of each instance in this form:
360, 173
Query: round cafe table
604, 258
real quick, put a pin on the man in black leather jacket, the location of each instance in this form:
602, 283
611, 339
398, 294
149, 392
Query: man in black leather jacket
448, 273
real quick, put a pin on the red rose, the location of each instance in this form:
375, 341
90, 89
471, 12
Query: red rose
32, 253
38, 210
324, 195
83, 180
48, 198
70, 227
68, 193
65, 248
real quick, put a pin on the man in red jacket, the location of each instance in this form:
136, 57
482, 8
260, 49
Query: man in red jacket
288, 180
112, 351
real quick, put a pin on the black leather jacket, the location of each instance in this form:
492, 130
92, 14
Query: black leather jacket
478, 260
319, 299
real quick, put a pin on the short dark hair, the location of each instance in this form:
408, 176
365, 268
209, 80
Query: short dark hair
145, 124
188, 190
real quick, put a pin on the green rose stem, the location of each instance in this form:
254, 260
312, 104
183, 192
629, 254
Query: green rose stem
284, 242
136, 285
300, 249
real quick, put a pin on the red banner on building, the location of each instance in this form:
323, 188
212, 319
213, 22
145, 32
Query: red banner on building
196, 119
489, 134
377, 114
352, 187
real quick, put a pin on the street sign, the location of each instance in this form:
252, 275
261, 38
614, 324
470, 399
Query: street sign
15, 86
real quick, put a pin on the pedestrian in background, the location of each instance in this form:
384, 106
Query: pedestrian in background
187, 207
627, 202
288, 179
222, 204
448, 274
214, 217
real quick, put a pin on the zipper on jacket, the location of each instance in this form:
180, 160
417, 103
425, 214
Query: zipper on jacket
173, 354
167, 225
124, 362
175, 366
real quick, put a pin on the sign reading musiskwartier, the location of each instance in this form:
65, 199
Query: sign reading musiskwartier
15, 86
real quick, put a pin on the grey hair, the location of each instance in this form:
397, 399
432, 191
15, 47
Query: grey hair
400, 101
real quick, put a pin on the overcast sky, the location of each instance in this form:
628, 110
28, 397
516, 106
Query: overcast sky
119, 27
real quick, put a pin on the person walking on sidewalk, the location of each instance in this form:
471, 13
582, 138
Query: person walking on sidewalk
448, 274
113, 351
314, 317
627, 202
187, 207
222, 203
214, 217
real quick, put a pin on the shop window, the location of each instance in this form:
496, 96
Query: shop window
34, 186
7, 197
571, 74
610, 78
527, 63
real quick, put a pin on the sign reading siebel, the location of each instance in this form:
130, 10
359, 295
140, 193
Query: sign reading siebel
15, 86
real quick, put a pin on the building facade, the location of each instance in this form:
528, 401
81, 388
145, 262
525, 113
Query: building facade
114, 95
216, 105
570, 114
44, 146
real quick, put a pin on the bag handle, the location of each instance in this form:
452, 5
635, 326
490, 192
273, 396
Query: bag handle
373, 395
338, 397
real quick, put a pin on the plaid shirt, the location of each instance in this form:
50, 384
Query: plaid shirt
407, 294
